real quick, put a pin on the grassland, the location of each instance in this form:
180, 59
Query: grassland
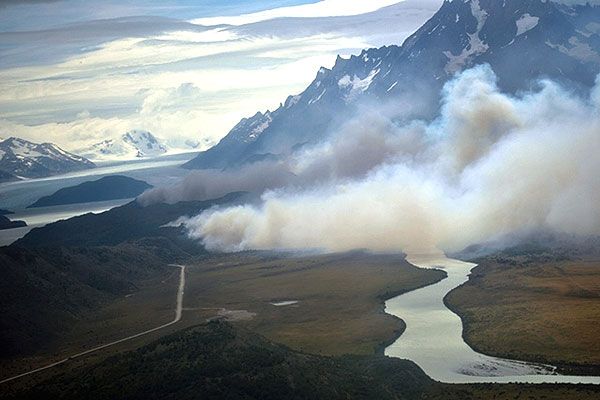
339, 310
544, 311
148, 305
340, 297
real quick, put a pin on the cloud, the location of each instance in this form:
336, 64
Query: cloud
322, 8
497, 165
361, 145
118, 69
7, 3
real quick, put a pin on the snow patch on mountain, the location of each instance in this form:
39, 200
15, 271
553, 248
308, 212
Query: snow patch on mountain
22, 158
355, 85
260, 128
475, 47
526, 23
319, 97
576, 49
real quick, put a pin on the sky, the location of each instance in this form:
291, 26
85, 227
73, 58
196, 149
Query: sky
76, 72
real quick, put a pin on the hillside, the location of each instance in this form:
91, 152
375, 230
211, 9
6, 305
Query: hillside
107, 188
222, 361
128, 222
57, 273
6, 223
45, 291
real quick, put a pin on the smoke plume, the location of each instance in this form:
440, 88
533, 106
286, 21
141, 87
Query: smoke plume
490, 164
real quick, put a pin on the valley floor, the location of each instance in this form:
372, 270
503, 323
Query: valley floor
339, 307
310, 311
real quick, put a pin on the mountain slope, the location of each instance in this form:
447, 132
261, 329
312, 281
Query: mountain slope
106, 188
6, 223
522, 40
220, 361
131, 145
21, 158
45, 291
56, 274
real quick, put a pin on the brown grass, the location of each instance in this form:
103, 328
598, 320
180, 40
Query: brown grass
340, 309
546, 312
340, 297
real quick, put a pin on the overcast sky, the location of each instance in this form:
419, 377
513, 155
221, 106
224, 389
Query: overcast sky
76, 72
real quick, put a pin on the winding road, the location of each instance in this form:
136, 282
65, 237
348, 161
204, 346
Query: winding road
178, 312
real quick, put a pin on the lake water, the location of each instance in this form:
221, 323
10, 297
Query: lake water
36, 217
158, 171
16, 196
433, 336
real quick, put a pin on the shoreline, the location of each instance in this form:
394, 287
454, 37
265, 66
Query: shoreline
434, 337
384, 344
562, 367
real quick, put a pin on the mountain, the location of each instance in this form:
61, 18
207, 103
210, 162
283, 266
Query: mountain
131, 145
45, 291
59, 273
6, 223
20, 158
129, 222
522, 40
218, 360
106, 188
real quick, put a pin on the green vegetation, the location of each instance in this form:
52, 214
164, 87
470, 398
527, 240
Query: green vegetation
57, 275
220, 361
46, 291
533, 306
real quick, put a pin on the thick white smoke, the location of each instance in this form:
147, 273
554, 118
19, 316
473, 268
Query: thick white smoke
491, 164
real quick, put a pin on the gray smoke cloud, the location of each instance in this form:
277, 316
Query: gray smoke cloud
359, 146
489, 165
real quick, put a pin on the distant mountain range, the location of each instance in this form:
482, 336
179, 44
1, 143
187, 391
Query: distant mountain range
522, 40
20, 158
131, 145
107, 188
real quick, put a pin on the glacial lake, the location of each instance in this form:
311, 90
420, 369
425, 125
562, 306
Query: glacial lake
16, 196
433, 336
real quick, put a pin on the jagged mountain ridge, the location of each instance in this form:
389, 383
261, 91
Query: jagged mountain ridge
522, 40
20, 158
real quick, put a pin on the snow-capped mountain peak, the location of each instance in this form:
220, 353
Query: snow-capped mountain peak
22, 158
147, 144
522, 40
131, 145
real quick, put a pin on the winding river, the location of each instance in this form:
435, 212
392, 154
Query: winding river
433, 336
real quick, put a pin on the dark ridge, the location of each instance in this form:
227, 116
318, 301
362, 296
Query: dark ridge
113, 187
